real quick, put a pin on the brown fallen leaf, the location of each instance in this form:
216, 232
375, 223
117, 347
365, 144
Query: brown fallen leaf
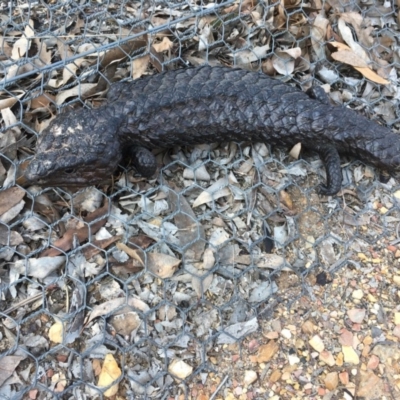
23, 44
65, 243
350, 58
8, 102
91, 251
9, 198
7, 367
14, 236
285, 198
162, 265
139, 66
42, 101
113, 307
366, 71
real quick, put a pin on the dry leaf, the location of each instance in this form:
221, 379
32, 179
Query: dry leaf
42, 101
201, 284
12, 238
139, 66
39, 268
110, 372
214, 192
347, 36
7, 367
23, 44
79, 90
350, 58
125, 323
284, 197
10, 101
8, 118
318, 35
165, 45
110, 306
136, 254
162, 265
367, 72
9, 198
81, 234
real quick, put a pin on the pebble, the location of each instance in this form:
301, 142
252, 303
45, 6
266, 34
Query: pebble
308, 327
249, 377
369, 382
293, 360
331, 381
396, 280
316, 343
180, 369
344, 377
350, 355
267, 351
397, 318
357, 294
275, 376
356, 315
286, 333
327, 358
373, 362
396, 331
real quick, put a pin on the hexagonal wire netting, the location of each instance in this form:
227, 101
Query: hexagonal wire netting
155, 277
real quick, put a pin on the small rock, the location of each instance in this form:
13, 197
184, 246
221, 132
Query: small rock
357, 294
396, 280
368, 340
346, 337
316, 343
327, 358
331, 381
249, 378
376, 332
293, 359
272, 335
344, 378
276, 325
368, 384
308, 327
339, 359
373, 362
286, 333
275, 376
180, 369
350, 355
397, 318
396, 331
267, 351
356, 315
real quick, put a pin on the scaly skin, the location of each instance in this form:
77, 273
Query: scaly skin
204, 105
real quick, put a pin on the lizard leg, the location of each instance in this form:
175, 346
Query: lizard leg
143, 160
330, 158
317, 93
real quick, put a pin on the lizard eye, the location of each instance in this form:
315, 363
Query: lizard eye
69, 170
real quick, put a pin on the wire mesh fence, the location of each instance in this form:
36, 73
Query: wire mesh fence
199, 282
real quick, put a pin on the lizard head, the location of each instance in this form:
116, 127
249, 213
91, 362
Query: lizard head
77, 148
